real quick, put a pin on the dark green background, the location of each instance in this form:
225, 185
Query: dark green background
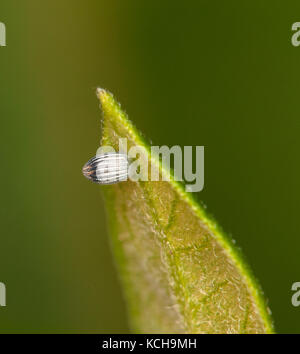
222, 74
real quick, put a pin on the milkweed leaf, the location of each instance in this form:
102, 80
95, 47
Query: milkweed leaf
180, 272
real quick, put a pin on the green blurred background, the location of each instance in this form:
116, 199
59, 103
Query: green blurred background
219, 74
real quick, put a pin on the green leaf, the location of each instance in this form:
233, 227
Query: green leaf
180, 273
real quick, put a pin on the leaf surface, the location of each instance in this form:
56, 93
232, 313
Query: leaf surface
180, 273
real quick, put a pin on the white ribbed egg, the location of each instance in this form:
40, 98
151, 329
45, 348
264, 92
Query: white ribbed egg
107, 168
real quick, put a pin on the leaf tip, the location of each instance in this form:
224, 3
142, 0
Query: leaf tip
100, 92
103, 95
108, 104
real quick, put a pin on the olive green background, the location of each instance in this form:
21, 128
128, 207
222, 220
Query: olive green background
222, 74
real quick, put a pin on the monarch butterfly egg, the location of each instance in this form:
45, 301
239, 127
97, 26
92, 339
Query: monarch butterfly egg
108, 168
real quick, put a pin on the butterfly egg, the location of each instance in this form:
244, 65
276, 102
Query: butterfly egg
108, 168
